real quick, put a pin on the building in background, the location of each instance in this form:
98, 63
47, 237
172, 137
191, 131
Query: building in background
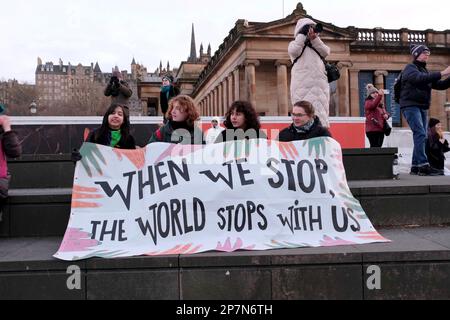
64, 87
185, 77
253, 64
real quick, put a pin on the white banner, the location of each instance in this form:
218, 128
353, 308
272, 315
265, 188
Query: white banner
172, 199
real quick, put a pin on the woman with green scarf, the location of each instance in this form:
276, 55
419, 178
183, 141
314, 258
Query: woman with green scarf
168, 92
115, 130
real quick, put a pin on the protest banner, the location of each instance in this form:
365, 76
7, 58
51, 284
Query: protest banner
249, 195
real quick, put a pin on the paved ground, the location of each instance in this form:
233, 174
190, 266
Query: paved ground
407, 245
405, 180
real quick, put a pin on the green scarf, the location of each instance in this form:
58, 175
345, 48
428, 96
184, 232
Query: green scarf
115, 138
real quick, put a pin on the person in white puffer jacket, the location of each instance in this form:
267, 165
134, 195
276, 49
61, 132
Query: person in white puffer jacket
309, 79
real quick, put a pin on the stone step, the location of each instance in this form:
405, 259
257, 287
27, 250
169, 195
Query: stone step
419, 201
416, 265
36, 213
57, 171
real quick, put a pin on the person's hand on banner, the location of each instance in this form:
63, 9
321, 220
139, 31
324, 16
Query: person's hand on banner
90, 153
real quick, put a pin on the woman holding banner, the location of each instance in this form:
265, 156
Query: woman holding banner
115, 129
241, 122
305, 124
181, 127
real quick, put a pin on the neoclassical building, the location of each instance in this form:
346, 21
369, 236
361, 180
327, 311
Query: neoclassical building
253, 64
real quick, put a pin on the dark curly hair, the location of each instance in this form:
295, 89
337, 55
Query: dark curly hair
251, 117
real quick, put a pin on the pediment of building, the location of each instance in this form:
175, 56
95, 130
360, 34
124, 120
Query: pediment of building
286, 27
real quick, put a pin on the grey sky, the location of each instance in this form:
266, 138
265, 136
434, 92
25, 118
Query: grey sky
112, 32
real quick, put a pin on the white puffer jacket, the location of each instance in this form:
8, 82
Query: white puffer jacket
309, 80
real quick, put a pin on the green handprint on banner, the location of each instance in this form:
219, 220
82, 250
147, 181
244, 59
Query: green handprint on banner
317, 145
90, 154
236, 146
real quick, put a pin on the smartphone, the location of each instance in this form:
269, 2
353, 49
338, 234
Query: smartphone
387, 92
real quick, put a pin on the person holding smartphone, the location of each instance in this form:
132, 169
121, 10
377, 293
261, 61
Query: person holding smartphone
376, 116
436, 146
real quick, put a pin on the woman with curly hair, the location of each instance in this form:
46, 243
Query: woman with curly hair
180, 128
241, 122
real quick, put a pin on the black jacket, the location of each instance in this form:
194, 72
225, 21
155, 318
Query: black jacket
124, 143
231, 132
11, 144
120, 93
164, 101
417, 83
435, 150
291, 134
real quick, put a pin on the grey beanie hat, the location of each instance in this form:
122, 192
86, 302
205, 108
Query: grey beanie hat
370, 89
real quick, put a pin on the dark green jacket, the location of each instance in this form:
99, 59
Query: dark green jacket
186, 136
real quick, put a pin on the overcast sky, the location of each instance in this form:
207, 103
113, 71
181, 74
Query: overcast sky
112, 32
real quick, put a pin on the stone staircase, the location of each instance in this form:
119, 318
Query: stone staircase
416, 265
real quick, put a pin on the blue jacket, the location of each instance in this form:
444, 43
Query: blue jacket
417, 83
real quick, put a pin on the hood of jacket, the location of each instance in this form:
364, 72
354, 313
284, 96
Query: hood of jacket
301, 23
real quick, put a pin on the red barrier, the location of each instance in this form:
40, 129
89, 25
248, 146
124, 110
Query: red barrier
349, 132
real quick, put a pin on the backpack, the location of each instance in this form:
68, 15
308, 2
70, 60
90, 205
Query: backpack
398, 88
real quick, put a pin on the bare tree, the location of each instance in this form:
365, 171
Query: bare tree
20, 96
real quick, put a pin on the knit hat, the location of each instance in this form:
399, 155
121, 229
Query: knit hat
418, 49
370, 89
433, 123
168, 78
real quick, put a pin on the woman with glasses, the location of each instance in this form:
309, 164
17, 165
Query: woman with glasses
306, 125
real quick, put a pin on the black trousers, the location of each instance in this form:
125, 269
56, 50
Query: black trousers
376, 139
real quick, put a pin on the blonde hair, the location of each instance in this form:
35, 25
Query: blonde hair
187, 105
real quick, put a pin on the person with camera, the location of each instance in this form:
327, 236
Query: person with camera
376, 116
118, 89
417, 84
436, 146
309, 77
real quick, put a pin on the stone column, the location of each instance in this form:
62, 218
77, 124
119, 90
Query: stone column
282, 87
225, 98
429, 36
219, 100
379, 78
343, 87
404, 36
354, 93
210, 101
214, 102
236, 78
231, 99
250, 77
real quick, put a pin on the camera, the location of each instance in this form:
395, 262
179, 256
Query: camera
115, 80
318, 28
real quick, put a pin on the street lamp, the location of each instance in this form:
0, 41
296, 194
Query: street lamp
33, 108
